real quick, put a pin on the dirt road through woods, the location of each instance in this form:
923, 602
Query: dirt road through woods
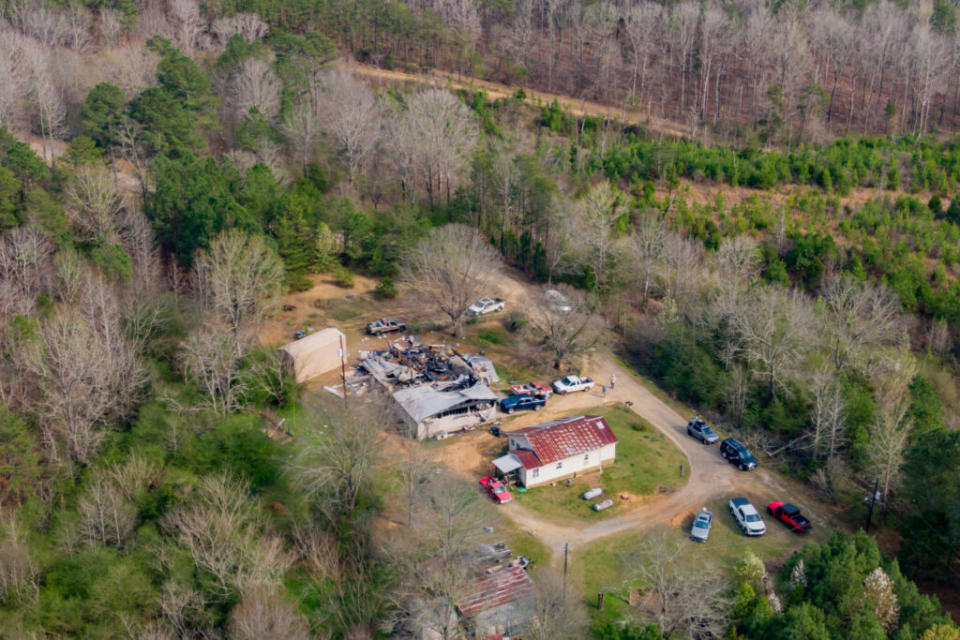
497, 90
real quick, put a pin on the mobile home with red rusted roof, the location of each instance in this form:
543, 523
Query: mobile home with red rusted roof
545, 452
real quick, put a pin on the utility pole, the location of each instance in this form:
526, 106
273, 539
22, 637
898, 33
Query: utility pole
565, 549
873, 501
343, 368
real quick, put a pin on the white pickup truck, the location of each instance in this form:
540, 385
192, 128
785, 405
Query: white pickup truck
483, 306
747, 517
570, 384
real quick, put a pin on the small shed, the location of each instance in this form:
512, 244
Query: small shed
501, 602
314, 354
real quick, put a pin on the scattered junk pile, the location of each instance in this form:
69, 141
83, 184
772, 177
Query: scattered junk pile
440, 390
407, 362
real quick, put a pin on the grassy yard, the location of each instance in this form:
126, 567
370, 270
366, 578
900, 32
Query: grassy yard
647, 463
727, 544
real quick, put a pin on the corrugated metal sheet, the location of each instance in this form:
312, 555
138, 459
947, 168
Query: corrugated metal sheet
528, 459
560, 439
507, 463
501, 587
424, 401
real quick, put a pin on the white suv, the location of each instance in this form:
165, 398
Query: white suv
747, 517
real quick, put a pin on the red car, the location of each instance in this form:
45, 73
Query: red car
496, 490
534, 389
789, 515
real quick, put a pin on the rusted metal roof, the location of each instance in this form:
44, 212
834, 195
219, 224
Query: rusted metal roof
528, 459
503, 586
566, 437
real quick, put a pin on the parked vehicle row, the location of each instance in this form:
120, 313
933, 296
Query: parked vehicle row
700, 430
731, 449
749, 520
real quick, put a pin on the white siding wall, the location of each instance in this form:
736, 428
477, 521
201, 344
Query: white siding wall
430, 427
574, 464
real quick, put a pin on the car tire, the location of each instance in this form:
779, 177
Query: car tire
509, 412
742, 467
538, 407
723, 454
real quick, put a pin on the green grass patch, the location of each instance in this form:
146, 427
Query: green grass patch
647, 462
489, 336
600, 567
345, 310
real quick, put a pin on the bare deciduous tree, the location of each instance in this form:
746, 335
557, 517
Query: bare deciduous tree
108, 509
263, 614
84, 378
224, 532
599, 210
414, 467
557, 613
240, 279
248, 26
828, 417
889, 435
682, 597
18, 574
431, 142
775, 325
437, 574
105, 516
566, 330
209, 359
348, 110
861, 317
336, 466
256, 86
25, 255
302, 131
452, 266
93, 195
645, 251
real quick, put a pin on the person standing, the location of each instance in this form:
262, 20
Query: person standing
613, 381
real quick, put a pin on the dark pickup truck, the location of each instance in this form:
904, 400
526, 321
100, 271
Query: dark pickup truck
521, 402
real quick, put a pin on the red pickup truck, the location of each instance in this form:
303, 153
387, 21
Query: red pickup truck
496, 490
789, 515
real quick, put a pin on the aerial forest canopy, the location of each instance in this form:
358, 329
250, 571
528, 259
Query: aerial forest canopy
752, 206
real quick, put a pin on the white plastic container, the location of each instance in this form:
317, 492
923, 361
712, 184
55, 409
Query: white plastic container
600, 506
593, 493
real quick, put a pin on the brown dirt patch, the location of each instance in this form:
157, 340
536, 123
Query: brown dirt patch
280, 328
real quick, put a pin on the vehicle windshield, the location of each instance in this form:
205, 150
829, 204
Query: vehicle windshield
568, 380
706, 429
702, 521
752, 517
499, 489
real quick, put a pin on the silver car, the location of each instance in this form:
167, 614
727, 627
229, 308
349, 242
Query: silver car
701, 526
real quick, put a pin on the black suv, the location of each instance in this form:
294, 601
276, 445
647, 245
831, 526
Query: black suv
734, 452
